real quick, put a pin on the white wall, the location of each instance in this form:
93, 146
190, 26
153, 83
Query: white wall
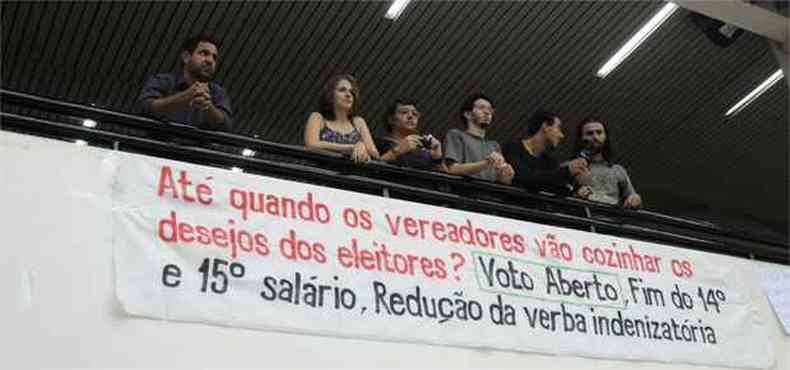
59, 308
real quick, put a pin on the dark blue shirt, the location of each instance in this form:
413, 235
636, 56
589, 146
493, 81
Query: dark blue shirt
166, 84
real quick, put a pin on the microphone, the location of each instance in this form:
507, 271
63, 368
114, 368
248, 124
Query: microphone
586, 151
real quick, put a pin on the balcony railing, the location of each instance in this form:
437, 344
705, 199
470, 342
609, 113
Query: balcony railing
151, 137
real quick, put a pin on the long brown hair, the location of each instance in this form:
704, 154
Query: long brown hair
326, 103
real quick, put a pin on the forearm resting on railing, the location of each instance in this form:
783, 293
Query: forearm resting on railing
466, 168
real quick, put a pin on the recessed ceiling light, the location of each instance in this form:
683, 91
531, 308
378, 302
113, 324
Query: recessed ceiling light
759, 90
89, 123
396, 9
248, 152
236, 169
80, 142
637, 39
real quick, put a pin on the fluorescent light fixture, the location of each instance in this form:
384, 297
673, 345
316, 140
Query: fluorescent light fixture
236, 169
637, 39
396, 8
80, 142
759, 90
248, 152
89, 123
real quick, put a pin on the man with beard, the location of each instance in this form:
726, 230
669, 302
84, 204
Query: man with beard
469, 152
189, 96
607, 182
535, 170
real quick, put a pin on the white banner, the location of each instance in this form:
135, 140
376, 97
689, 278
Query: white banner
200, 244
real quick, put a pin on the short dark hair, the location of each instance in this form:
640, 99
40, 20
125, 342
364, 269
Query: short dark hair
191, 43
537, 119
393, 108
606, 150
326, 102
469, 104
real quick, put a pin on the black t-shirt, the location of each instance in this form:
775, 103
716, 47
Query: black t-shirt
536, 174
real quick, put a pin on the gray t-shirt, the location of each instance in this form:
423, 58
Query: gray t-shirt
610, 184
461, 147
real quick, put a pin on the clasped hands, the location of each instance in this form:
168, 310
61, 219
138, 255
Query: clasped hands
504, 171
198, 96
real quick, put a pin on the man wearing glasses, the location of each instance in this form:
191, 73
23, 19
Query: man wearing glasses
468, 152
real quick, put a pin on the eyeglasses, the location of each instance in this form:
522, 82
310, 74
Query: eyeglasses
414, 112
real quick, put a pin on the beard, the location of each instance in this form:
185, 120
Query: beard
596, 147
202, 73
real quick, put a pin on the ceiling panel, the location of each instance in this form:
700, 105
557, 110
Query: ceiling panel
665, 105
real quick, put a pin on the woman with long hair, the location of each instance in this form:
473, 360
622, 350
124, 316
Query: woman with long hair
337, 125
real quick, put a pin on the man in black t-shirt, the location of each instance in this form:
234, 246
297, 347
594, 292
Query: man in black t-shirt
535, 170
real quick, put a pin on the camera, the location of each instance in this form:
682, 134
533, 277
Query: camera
425, 141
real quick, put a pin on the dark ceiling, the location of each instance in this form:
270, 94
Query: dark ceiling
665, 105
